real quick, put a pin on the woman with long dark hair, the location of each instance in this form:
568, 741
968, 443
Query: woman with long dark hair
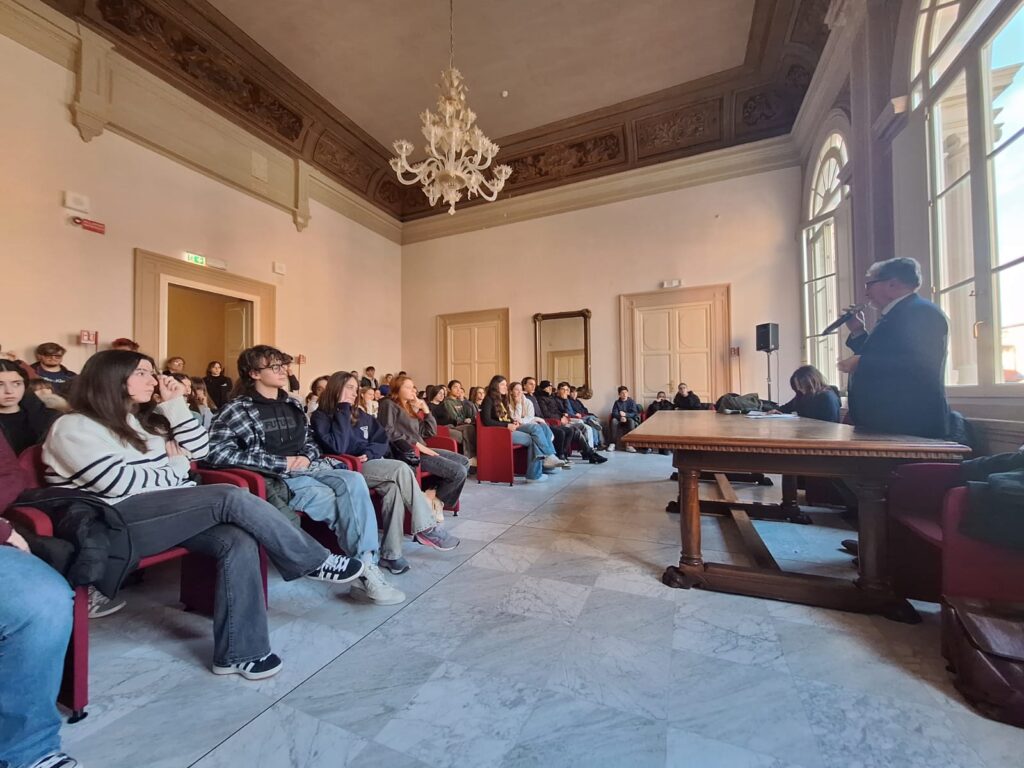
340, 427
120, 446
815, 398
496, 411
218, 386
405, 416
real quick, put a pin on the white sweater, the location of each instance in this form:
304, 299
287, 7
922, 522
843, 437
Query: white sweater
81, 453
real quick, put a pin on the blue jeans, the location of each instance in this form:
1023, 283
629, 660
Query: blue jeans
35, 624
534, 465
340, 498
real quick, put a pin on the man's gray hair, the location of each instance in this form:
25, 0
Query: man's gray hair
902, 268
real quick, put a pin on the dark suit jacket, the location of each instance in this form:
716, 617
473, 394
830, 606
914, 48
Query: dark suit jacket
898, 386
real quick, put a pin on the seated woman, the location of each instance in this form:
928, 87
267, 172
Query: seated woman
218, 386
385, 384
815, 399
23, 417
529, 422
340, 427
686, 399
120, 446
405, 417
316, 388
496, 411
435, 395
367, 402
199, 403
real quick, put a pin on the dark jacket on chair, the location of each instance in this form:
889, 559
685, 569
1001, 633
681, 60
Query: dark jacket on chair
898, 386
996, 488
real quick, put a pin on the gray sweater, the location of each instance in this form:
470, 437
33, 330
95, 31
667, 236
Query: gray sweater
401, 426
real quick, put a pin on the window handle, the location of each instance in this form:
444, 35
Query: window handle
977, 325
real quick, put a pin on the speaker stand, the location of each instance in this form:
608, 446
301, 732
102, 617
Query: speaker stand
768, 354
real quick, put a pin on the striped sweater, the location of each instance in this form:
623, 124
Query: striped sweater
81, 453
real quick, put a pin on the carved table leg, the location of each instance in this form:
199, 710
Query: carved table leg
690, 560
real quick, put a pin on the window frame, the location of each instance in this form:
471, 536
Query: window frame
932, 73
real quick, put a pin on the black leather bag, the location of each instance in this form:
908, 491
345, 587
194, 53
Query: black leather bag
403, 451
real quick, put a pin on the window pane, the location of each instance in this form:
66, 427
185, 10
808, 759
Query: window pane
821, 257
951, 149
823, 353
955, 246
1008, 205
915, 64
962, 363
942, 22
1004, 55
821, 304
1010, 289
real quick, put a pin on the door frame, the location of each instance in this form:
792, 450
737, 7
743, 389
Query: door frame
721, 313
154, 273
477, 316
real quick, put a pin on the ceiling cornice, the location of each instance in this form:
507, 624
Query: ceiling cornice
190, 44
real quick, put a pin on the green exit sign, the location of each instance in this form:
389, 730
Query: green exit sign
195, 258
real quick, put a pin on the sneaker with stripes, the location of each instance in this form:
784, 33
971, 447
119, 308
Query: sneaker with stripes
259, 669
56, 760
338, 569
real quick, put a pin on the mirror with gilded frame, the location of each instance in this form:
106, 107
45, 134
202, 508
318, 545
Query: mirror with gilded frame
562, 348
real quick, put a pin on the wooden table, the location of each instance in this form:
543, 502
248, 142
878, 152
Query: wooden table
704, 440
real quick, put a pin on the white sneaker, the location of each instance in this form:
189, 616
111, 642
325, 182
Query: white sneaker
611, 446
552, 462
630, 449
373, 587
541, 479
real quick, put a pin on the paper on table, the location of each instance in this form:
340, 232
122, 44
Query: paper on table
763, 415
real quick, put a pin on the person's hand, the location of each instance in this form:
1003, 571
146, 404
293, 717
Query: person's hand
425, 451
564, 419
856, 323
622, 418
16, 541
362, 458
296, 463
467, 421
849, 365
173, 449
169, 388
774, 410
512, 427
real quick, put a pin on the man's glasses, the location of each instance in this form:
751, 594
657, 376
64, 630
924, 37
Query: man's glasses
869, 283
275, 368
58, 355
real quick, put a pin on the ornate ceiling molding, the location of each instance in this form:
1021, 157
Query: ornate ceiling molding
198, 50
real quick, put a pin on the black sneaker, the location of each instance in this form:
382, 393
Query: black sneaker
56, 760
260, 669
338, 569
597, 459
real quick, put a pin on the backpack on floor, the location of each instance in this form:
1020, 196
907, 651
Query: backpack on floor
984, 644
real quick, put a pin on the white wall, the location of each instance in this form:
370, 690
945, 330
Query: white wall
741, 232
334, 305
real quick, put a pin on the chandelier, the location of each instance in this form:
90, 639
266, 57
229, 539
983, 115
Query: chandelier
457, 150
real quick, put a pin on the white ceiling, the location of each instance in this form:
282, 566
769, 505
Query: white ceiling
378, 61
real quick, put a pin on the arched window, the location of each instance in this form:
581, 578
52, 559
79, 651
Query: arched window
967, 75
826, 253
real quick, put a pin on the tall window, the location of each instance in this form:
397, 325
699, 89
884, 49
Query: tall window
968, 76
822, 247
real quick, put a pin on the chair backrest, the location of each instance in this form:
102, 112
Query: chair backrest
31, 461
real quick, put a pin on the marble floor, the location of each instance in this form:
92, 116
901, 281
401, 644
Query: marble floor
546, 639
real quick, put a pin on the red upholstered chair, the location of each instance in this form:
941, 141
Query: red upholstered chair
198, 582
498, 459
928, 556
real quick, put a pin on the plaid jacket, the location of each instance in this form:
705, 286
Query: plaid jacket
237, 439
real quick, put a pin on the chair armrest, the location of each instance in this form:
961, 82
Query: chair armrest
444, 443
920, 488
350, 462
253, 480
220, 476
34, 519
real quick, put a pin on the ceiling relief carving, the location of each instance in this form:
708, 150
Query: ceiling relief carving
347, 164
569, 158
199, 50
681, 128
210, 70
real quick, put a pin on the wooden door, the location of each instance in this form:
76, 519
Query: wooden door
472, 346
567, 365
671, 337
238, 317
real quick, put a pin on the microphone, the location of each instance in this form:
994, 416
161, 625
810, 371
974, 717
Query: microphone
847, 315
